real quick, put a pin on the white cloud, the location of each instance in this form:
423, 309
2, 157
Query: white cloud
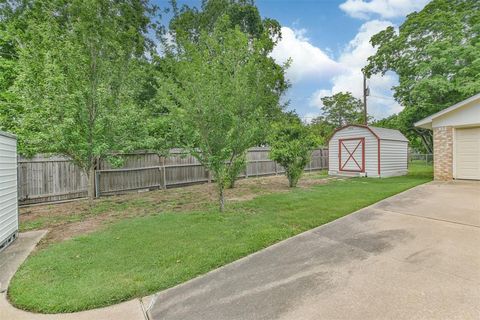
316, 98
308, 117
307, 61
310, 64
387, 9
352, 60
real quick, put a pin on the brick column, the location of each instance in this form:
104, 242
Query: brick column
443, 153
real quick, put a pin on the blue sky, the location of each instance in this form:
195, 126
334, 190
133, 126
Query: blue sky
328, 42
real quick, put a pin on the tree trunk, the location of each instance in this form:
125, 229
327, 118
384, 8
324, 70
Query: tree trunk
221, 196
291, 182
426, 138
291, 179
91, 184
427, 142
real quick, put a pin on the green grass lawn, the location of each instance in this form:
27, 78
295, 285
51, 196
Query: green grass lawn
139, 256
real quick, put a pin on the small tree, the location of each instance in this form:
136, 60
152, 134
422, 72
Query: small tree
292, 143
189, 22
222, 91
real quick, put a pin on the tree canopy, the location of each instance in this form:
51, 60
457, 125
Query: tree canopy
9, 110
78, 74
243, 14
435, 52
342, 108
338, 110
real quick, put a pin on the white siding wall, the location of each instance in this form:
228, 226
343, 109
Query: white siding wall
371, 151
393, 158
8, 187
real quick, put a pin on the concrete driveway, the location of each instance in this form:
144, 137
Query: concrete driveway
413, 256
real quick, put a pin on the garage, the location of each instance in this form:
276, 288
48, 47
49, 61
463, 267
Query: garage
456, 140
467, 153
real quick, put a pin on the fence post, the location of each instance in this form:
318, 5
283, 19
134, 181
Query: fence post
322, 160
97, 183
164, 169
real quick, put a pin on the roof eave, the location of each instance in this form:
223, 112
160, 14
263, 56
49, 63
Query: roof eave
8, 135
425, 123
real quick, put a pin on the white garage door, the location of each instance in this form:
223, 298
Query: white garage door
467, 153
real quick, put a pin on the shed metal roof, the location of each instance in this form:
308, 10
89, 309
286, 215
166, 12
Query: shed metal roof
379, 133
388, 134
6, 134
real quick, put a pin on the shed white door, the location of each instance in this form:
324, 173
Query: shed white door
351, 154
467, 153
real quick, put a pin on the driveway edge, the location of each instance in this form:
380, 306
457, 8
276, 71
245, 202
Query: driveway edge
153, 298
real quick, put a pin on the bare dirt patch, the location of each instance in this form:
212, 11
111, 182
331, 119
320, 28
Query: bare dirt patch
66, 220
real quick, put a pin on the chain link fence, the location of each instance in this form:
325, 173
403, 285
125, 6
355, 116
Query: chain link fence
425, 158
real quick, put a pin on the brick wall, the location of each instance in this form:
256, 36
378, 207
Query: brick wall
443, 153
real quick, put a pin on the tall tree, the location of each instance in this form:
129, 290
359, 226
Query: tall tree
222, 90
191, 21
80, 68
9, 110
338, 110
435, 52
342, 108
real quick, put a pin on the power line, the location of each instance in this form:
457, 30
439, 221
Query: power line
383, 97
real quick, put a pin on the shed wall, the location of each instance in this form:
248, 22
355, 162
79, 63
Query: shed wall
8, 188
393, 158
371, 149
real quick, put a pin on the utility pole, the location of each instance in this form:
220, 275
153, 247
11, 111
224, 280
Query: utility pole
366, 92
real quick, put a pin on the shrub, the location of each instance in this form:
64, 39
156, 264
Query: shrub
292, 144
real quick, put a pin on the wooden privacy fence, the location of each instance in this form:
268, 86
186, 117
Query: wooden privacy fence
57, 178
43, 179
